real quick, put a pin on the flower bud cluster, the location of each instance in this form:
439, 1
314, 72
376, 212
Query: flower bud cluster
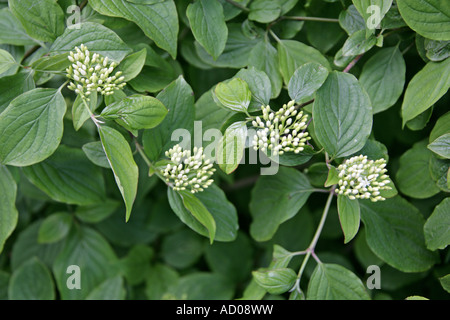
281, 131
360, 178
188, 172
90, 72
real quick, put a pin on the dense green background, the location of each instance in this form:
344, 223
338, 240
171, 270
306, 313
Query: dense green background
59, 201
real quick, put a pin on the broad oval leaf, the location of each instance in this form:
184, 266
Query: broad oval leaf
358, 44
306, 80
334, 282
275, 281
88, 250
264, 11
342, 115
349, 216
428, 18
132, 64
437, 232
159, 21
8, 211
230, 148
42, 19
383, 77
55, 227
293, 54
441, 146
178, 98
136, 112
12, 31
264, 57
394, 232
425, 88
6, 60
96, 37
259, 85
35, 272
208, 25
31, 127
275, 199
121, 160
200, 212
215, 201
234, 95
413, 177
111, 289
69, 177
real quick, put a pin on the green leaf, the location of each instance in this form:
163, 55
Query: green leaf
445, 282
425, 88
221, 210
394, 232
383, 77
441, 127
121, 160
265, 58
178, 99
136, 112
420, 121
293, 54
110, 289
202, 286
8, 211
13, 86
208, 25
372, 11
233, 259
12, 31
209, 113
94, 151
428, 18
80, 114
317, 174
275, 281
437, 50
234, 95
55, 227
32, 272
351, 21
439, 172
159, 21
411, 178
160, 278
441, 146
132, 65
358, 44
264, 11
88, 250
281, 257
259, 85
153, 79
136, 264
334, 282
275, 199
31, 127
237, 49
332, 177
96, 37
437, 233
42, 19
69, 177
6, 60
200, 212
182, 248
306, 80
349, 216
342, 115
97, 212
230, 148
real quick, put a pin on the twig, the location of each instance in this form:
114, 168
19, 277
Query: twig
352, 63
